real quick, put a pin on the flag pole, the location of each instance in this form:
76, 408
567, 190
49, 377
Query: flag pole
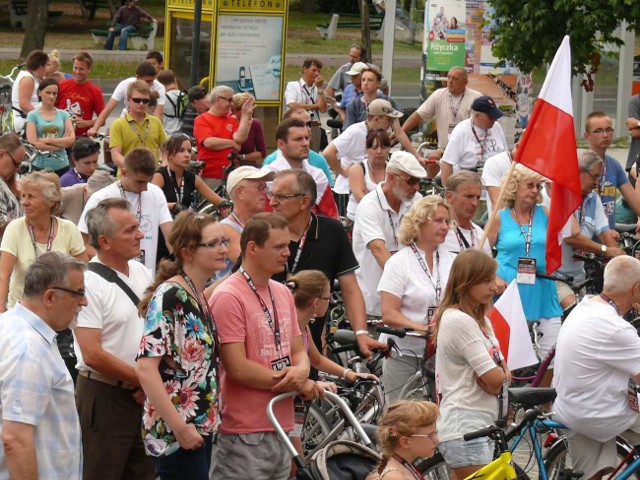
498, 206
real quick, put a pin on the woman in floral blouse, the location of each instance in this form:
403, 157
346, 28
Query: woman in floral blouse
178, 355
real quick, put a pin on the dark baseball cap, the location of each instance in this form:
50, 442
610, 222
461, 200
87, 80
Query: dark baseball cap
486, 105
196, 93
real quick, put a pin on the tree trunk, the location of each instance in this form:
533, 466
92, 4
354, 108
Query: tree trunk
309, 6
366, 31
36, 26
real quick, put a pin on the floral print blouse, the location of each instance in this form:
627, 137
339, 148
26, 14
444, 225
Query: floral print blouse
177, 330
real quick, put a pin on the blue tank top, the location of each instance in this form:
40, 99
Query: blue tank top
541, 299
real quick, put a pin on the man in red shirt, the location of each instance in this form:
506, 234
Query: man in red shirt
218, 132
79, 97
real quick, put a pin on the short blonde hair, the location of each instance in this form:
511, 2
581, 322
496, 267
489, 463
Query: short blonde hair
404, 418
521, 174
49, 184
239, 99
422, 211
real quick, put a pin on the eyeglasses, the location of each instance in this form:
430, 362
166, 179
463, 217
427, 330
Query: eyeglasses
283, 196
600, 131
260, 186
410, 180
430, 436
596, 178
216, 243
325, 298
537, 186
17, 164
228, 99
144, 101
78, 293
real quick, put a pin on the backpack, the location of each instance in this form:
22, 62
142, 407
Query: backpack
180, 105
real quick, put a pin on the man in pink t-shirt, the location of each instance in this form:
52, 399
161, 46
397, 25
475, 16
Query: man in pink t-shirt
261, 354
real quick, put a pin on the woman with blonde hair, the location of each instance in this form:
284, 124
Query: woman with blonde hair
471, 374
519, 233
178, 357
39, 231
407, 431
53, 66
411, 286
254, 149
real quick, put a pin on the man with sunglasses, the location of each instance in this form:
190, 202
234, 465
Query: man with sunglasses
12, 153
218, 133
136, 128
108, 333
38, 417
378, 217
599, 133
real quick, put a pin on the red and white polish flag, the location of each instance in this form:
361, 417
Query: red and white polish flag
511, 329
548, 147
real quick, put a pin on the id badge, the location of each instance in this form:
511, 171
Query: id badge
431, 311
504, 399
141, 258
526, 271
280, 364
632, 395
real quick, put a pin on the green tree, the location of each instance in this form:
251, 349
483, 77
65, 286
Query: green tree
529, 33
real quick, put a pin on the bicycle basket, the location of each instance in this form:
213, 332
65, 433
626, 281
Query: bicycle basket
343, 460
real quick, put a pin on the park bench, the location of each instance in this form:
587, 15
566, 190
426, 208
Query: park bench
348, 20
89, 7
18, 14
142, 39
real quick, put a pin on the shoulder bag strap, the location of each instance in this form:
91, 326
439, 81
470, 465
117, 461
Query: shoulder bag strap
110, 275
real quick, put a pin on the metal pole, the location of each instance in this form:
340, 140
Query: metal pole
195, 46
389, 40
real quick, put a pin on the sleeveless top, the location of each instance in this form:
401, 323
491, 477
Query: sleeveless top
539, 300
371, 186
230, 220
169, 189
15, 101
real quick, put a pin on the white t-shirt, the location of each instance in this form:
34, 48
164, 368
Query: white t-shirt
154, 213
18, 121
454, 243
596, 353
465, 151
170, 119
404, 277
375, 220
462, 356
120, 92
448, 111
351, 146
112, 311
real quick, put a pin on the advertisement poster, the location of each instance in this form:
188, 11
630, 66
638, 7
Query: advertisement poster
248, 54
445, 34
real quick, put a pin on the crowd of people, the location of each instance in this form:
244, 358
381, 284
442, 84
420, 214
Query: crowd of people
127, 310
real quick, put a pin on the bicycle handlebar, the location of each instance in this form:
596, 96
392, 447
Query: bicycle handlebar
483, 432
396, 332
380, 354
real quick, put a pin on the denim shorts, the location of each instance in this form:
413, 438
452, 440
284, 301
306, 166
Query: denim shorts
458, 453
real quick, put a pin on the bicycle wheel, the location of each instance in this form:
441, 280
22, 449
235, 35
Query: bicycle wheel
557, 459
314, 430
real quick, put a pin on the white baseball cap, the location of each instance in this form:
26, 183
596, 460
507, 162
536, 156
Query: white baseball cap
407, 163
246, 172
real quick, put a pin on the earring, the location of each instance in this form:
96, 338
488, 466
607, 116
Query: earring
313, 318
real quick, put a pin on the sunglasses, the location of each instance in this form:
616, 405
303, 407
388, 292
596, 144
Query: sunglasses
412, 181
144, 101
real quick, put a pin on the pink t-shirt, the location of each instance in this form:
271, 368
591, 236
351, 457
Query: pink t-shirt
240, 318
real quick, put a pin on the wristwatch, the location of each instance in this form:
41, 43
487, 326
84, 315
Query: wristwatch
603, 248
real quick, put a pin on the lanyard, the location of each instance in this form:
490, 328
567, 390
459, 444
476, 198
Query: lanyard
33, 236
137, 132
495, 354
174, 181
483, 143
527, 237
308, 93
436, 285
79, 176
462, 241
303, 240
393, 226
603, 178
237, 220
610, 302
456, 109
414, 473
581, 212
139, 214
273, 320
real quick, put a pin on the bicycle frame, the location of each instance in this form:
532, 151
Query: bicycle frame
628, 471
500, 469
531, 430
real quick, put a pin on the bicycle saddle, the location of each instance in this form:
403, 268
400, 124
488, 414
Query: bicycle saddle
531, 396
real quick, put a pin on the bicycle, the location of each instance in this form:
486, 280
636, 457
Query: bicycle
7, 123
